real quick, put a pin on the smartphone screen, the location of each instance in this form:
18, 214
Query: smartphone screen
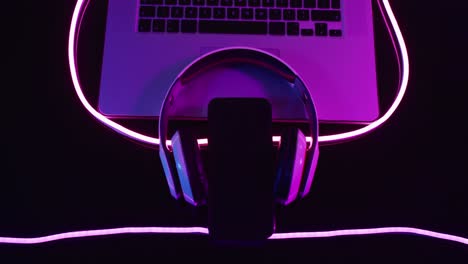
240, 169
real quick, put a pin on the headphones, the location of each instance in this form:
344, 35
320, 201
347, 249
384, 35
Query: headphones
182, 165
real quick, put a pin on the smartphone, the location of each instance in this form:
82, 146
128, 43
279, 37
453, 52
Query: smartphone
240, 169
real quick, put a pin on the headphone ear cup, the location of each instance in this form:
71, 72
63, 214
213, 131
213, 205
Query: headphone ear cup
291, 159
170, 171
189, 167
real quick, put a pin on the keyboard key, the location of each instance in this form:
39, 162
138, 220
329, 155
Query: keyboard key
324, 3
261, 13
204, 12
190, 12
159, 25
276, 28
307, 32
177, 11
232, 27
163, 11
219, 13
212, 2
263, 10
268, 3
335, 33
275, 14
184, 2
254, 2
281, 3
172, 25
310, 4
321, 29
233, 13
296, 3
147, 11
144, 25
188, 26
292, 28
198, 2
326, 15
303, 14
226, 2
247, 13
151, 2
240, 2
289, 14
336, 4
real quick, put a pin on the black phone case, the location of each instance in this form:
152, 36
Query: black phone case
240, 170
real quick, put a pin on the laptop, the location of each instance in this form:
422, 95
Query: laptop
329, 43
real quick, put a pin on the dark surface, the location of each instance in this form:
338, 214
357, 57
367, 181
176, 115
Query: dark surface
62, 171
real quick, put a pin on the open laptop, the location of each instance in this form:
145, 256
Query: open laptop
329, 43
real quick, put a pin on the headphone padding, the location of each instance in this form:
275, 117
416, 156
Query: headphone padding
291, 159
189, 166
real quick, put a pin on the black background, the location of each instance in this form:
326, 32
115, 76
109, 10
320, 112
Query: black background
63, 171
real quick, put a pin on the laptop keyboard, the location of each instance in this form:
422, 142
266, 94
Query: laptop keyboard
254, 17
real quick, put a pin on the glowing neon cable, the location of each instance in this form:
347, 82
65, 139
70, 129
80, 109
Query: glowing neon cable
401, 92
72, 63
105, 232
201, 230
204, 231
72, 42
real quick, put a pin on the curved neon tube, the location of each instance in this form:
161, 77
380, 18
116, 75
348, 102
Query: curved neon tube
204, 231
147, 139
401, 92
74, 74
155, 141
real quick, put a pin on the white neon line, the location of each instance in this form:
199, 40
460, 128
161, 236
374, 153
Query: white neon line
401, 93
105, 232
372, 231
155, 141
204, 231
73, 70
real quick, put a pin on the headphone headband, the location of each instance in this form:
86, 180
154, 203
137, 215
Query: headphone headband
233, 56
241, 55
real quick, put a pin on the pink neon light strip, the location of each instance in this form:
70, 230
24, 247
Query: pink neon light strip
147, 139
104, 232
403, 85
204, 231
155, 141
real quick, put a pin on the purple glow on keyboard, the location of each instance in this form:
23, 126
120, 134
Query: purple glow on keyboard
204, 231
